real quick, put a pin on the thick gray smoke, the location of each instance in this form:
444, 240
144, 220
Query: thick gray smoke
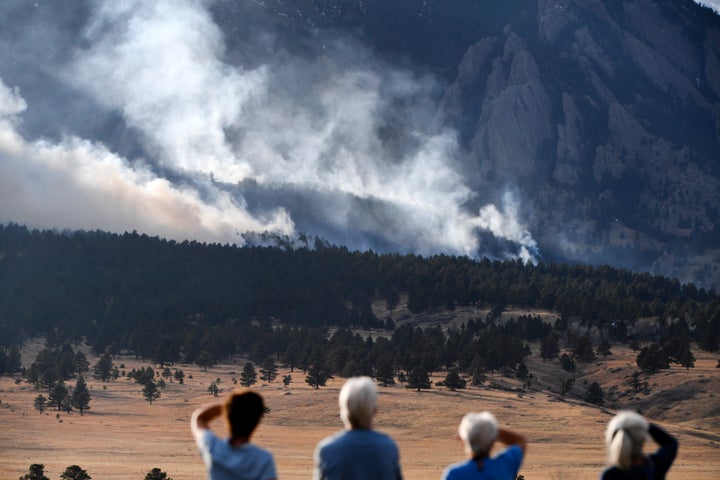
336, 143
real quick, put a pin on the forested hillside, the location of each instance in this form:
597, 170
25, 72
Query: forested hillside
189, 302
134, 292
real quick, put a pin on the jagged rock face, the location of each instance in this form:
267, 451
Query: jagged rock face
516, 116
604, 116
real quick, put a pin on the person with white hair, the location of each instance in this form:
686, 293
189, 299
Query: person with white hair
358, 452
625, 436
479, 432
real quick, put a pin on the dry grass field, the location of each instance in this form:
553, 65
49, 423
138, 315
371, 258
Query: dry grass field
122, 437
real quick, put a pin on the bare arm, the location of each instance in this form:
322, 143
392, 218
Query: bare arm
202, 417
511, 438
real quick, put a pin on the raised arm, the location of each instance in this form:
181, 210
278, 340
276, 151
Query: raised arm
660, 436
511, 438
202, 417
665, 455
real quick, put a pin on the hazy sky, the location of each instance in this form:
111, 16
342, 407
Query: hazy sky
131, 117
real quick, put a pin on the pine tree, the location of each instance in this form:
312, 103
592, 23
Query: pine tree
594, 394
652, 358
549, 347
268, 372
74, 472
384, 372
522, 371
291, 357
248, 376
567, 363
418, 378
14, 363
36, 472
709, 338
82, 365
40, 403
317, 376
454, 381
686, 358
151, 391
80, 398
157, 474
566, 386
103, 369
206, 360
57, 394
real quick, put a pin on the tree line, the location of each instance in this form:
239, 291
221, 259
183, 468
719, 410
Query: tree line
198, 303
467, 353
52, 367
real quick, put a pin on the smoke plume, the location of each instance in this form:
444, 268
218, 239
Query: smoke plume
335, 143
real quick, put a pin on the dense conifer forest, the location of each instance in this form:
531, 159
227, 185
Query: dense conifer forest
199, 303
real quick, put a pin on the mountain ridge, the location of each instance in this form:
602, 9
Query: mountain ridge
565, 131
603, 118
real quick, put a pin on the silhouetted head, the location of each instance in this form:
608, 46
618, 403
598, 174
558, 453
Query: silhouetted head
358, 402
624, 437
243, 411
478, 432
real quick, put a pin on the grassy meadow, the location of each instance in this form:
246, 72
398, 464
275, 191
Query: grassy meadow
123, 436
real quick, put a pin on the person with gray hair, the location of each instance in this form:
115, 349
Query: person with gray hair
479, 432
358, 452
625, 436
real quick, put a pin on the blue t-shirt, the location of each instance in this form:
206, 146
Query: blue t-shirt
503, 466
357, 454
226, 462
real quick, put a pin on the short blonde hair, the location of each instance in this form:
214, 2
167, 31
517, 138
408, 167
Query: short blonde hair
625, 436
358, 402
478, 432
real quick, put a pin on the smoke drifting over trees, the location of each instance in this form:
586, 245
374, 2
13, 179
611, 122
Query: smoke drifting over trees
167, 130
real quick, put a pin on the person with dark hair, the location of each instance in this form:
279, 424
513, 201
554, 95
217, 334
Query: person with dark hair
358, 452
625, 436
479, 432
233, 458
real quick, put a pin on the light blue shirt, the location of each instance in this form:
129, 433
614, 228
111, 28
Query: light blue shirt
357, 454
226, 462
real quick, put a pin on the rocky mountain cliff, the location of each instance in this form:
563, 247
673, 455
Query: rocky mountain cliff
604, 117
555, 130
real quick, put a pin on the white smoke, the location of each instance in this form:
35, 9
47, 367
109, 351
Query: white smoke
505, 225
714, 4
79, 184
310, 125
